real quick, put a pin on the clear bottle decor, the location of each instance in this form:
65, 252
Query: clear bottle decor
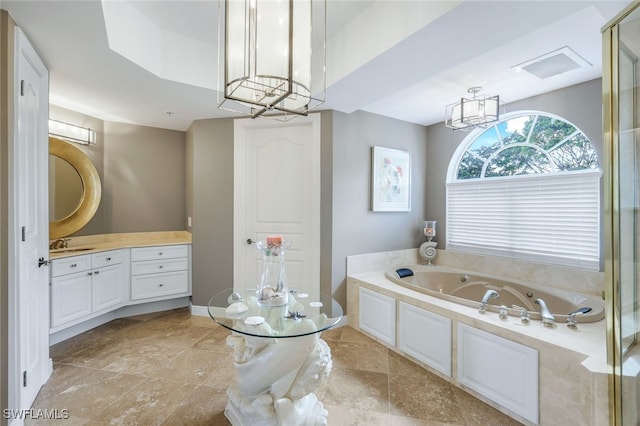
272, 287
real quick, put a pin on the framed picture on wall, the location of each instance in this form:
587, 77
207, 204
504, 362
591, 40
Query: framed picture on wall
390, 180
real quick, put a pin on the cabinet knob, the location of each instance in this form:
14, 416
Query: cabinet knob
73, 265
108, 259
160, 254
89, 273
161, 266
96, 272
160, 285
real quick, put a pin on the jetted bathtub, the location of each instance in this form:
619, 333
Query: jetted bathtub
468, 288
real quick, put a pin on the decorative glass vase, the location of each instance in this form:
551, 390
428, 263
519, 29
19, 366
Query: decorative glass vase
272, 287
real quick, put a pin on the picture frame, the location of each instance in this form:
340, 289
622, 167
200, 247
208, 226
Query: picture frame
390, 180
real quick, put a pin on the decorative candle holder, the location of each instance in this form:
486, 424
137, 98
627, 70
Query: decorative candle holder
272, 288
429, 229
428, 249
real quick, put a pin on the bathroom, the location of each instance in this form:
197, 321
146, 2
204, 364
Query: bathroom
353, 228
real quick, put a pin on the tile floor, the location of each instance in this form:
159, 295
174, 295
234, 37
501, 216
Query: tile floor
171, 368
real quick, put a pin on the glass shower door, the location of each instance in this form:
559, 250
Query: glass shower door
622, 138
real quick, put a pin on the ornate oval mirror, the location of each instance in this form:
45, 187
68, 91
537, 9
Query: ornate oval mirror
84, 204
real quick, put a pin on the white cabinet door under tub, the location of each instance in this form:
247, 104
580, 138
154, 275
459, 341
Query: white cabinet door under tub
86, 284
499, 369
159, 271
425, 336
378, 315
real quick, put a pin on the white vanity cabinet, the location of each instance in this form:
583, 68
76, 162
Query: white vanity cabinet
160, 271
84, 285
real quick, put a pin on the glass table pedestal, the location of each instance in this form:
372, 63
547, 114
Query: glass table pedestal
279, 357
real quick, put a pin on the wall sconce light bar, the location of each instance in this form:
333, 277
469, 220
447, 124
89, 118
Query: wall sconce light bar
72, 133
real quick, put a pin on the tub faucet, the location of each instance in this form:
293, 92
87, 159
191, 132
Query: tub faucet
548, 319
490, 294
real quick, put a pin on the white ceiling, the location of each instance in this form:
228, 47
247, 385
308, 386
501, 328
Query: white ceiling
398, 58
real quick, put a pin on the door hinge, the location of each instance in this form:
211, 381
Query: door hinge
24, 378
21, 87
24, 233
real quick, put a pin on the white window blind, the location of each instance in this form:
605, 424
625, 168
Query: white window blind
551, 218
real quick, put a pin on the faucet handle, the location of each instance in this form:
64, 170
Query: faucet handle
572, 321
524, 314
503, 312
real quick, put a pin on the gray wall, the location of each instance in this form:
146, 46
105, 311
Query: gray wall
145, 178
580, 104
142, 171
356, 229
210, 143
347, 225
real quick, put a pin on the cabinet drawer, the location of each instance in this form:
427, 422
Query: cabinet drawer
156, 266
158, 253
154, 285
106, 258
69, 265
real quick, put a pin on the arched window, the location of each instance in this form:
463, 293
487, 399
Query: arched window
527, 187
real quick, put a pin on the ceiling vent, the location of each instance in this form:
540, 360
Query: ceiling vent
553, 63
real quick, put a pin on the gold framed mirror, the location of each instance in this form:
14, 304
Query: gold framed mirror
91, 189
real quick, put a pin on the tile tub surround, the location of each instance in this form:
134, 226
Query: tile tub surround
171, 368
572, 363
563, 278
103, 242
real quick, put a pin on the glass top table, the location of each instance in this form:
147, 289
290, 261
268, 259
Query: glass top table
305, 314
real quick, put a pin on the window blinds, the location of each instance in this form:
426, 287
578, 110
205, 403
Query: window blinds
552, 218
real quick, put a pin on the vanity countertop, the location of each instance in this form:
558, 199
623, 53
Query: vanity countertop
87, 244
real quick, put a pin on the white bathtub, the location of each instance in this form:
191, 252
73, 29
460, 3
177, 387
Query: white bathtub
468, 288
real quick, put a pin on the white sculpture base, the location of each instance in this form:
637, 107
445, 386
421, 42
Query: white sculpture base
276, 378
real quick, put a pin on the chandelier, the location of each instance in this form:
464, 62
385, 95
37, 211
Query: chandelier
271, 56
479, 111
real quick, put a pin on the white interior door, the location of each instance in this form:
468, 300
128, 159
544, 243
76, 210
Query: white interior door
30, 365
277, 192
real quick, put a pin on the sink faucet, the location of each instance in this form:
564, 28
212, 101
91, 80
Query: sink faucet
548, 319
490, 294
59, 243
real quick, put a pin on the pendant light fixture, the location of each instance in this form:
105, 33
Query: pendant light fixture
479, 111
271, 56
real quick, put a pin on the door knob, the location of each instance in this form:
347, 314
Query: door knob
250, 241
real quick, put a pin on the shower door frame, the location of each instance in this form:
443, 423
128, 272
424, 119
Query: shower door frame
617, 345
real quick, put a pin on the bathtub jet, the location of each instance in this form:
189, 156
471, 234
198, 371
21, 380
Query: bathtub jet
469, 289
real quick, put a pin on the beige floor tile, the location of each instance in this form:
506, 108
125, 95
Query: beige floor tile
477, 413
360, 356
427, 398
362, 390
93, 393
204, 406
173, 369
213, 340
401, 366
150, 403
140, 358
